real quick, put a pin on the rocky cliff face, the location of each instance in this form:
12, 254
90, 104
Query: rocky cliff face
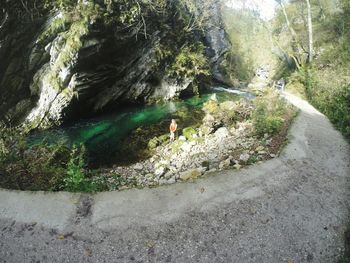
63, 63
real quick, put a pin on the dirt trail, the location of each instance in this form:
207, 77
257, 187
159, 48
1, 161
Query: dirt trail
294, 207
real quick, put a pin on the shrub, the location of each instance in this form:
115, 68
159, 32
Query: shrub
189, 63
269, 113
76, 179
188, 132
43, 166
30, 167
335, 104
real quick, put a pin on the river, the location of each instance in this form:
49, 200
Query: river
121, 138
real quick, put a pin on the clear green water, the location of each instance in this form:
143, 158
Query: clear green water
122, 137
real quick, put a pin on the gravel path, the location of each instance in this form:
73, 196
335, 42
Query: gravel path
290, 209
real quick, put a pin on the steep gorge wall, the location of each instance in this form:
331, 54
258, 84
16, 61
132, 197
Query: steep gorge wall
62, 63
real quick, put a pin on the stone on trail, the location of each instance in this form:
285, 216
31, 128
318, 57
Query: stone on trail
138, 167
259, 148
190, 174
237, 166
168, 175
159, 171
244, 157
225, 164
172, 180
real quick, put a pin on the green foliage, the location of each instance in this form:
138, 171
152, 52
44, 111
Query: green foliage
190, 63
251, 45
80, 179
75, 180
59, 24
237, 66
59, 4
268, 116
72, 25
194, 16
307, 76
334, 102
43, 166
26, 167
211, 107
176, 146
188, 132
326, 81
156, 141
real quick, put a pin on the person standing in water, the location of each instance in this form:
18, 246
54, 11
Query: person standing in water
173, 128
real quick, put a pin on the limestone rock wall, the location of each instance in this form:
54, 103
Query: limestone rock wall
59, 66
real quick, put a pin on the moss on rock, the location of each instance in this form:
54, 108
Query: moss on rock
188, 132
211, 107
176, 146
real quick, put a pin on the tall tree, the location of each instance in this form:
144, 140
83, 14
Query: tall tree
296, 46
310, 31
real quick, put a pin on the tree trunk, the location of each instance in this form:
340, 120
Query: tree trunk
309, 28
296, 44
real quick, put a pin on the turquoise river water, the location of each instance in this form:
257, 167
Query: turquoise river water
121, 138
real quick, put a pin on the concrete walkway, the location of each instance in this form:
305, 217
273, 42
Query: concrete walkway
290, 209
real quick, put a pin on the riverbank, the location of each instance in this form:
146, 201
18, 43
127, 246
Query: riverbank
227, 138
226, 134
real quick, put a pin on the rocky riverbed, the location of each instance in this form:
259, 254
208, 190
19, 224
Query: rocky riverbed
224, 140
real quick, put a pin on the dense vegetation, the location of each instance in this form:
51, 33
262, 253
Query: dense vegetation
325, 79
249, 37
